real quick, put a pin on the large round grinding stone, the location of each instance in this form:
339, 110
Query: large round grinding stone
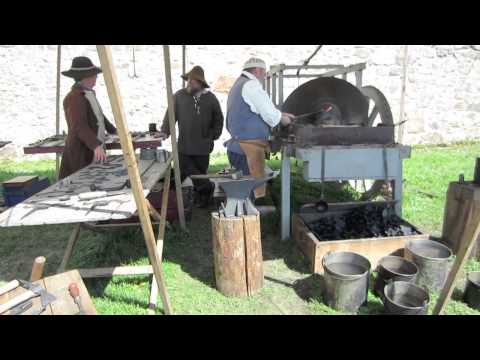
313, 95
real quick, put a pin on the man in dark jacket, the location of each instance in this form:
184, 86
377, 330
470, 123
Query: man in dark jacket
200, 123
85, 119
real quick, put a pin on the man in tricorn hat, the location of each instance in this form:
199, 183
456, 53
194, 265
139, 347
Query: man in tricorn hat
86, 122
200, 123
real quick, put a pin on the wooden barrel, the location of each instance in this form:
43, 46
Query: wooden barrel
237, 253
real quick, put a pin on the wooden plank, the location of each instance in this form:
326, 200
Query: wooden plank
229, 255
20, 181
105, 56
36, 302
115, 271
253, 253
173, 135
471, 231
64, 304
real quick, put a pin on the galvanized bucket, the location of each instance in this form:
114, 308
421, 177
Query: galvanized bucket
405, 298
393, 268
433, 260
472, 292
346, 276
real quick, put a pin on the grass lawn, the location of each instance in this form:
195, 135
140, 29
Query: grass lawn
188, 262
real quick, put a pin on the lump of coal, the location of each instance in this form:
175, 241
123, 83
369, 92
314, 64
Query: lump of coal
369, 221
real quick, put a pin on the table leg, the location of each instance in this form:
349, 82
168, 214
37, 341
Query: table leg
69, 250
285, 185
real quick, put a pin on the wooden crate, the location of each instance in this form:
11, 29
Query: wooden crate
372, 248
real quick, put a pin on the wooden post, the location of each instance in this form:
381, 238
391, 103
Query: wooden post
105, 56
237, 253
402, 96
57, 108
161, 234
184, 63
462, 256
37, 269
173, 135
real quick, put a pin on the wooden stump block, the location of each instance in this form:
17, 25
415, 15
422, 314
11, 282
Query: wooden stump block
462, 214
237, 253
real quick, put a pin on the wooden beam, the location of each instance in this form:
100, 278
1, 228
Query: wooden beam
161, 235
173, 135
115, 271
69, 250
403, 94
105, 55
57, 108
463, 254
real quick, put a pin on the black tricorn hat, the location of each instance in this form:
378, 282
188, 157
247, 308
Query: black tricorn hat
197, 74
82, 67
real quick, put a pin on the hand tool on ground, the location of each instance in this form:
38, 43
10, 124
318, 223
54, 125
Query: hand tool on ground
33, 290
75, 294
238, 195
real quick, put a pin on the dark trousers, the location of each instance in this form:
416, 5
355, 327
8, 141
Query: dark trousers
195, 165
239, 162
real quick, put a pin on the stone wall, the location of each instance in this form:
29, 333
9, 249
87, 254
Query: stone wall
442, 102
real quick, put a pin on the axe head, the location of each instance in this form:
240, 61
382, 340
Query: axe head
45, 297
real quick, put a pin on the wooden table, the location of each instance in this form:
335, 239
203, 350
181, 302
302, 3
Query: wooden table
57, 285
56, 144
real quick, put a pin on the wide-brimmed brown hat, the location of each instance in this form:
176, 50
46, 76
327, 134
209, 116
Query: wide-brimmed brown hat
197, 74
82, 67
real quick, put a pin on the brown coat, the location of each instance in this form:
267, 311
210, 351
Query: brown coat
82, 133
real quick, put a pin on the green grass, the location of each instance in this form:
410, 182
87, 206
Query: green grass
188, 261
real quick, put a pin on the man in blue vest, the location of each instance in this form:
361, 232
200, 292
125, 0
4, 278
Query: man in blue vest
250, 116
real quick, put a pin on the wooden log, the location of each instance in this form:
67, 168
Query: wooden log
253, 251
463, 202
37, 268
237, 255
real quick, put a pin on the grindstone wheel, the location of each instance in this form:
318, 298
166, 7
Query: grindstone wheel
379, 113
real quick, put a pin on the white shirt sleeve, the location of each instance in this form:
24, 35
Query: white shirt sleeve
260, 103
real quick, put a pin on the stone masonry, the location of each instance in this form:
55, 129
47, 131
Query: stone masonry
442, 89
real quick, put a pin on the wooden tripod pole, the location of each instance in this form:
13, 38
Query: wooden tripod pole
104, 53
469, 240
57, 109
173, 134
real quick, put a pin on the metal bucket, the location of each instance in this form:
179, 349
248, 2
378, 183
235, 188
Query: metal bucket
433, 261
346, 280
472, 292
394, 268
148, 154
405, 298
162, 155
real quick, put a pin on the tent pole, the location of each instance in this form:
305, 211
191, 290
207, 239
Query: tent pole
402, 96
184, 64
57, 108
173, 134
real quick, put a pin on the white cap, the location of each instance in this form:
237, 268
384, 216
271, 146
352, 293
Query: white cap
254, 63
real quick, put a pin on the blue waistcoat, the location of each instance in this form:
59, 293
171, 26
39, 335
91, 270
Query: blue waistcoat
242, 123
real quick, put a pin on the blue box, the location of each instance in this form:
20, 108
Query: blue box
14, 196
